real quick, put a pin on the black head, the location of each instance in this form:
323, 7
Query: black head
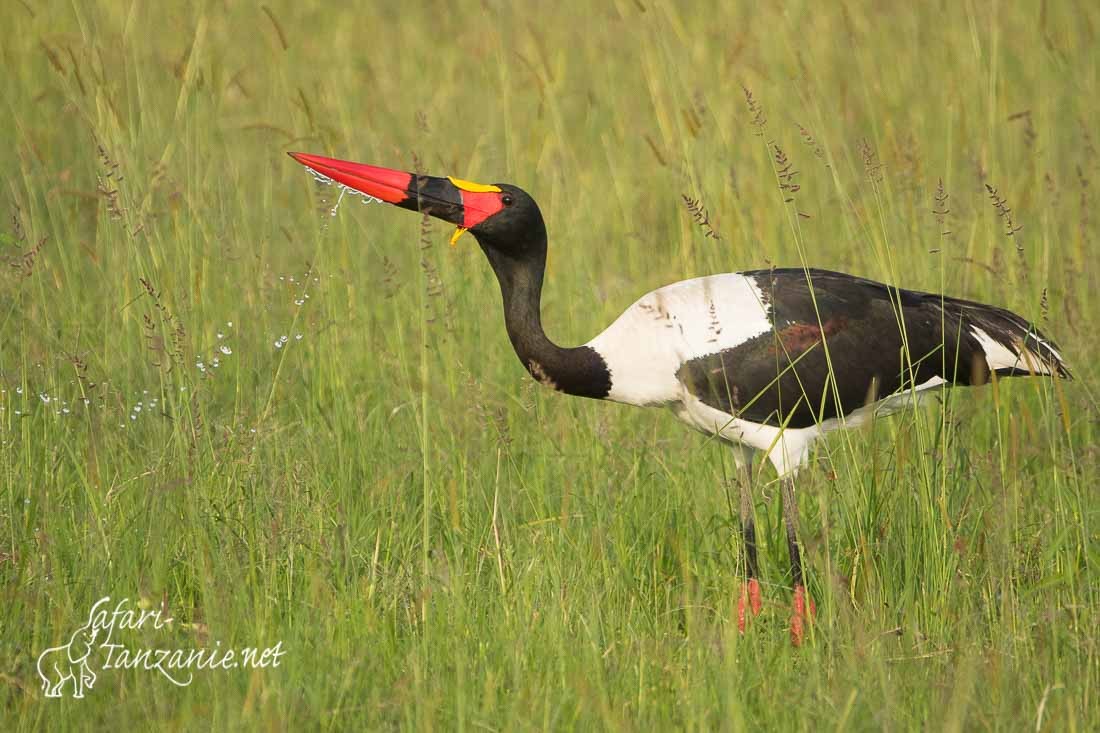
517, 230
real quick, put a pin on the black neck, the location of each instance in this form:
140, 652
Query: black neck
519, 269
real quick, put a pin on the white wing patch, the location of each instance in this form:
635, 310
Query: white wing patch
998, 356
648, 343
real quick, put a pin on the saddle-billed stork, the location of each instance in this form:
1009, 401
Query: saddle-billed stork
767, 360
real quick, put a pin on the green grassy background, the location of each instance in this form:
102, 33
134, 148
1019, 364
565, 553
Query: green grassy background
436, 541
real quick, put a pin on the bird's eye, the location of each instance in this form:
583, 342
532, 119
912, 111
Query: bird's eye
506, 200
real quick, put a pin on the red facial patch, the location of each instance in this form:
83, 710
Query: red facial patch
477, 207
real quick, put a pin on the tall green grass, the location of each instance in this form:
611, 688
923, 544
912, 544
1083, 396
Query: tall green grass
436, 541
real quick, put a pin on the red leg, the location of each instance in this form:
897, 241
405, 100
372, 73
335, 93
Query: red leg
750, 588
749, 600
803, 611
802, 606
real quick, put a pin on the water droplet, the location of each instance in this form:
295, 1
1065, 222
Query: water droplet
300, 301
320, 178
225, 350
343, 190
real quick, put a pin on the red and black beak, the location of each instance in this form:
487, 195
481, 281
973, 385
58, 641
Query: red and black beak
459, 202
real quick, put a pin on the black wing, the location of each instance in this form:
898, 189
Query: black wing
878, 340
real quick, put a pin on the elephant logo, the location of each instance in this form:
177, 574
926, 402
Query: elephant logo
69, 662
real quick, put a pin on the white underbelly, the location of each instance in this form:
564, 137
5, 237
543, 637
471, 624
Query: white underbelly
706, 419
786, 448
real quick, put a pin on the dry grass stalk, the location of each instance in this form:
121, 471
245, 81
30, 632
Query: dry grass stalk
699, 214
